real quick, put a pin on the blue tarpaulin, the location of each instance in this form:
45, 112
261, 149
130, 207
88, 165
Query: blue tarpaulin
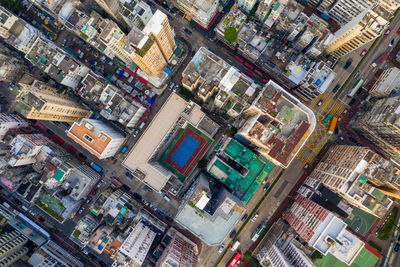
167, 70
93, 62
120, 73
149, 100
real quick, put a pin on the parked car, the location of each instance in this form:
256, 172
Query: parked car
396, 247
221, 248
348, 64
50, 132
100, 183
254, 217
363, 52
151, 4
391, 43
341, 138
94, 192
337, 87
387, 32
244, 217
148, 188
187, 31
345, 111
233, 233
81, 210
88, 200
130, 176
264, 181
306, 166
40, 218
320, 102
266, 187
83, 156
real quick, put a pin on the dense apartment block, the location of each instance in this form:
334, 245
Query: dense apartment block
12, 67
10, 121
363, 28
179, 251
41, 102
12, 248
25, 148
322, 230
280, 249
209, 210
201, 11
348, 170
387, 83
17, 32
378, 123
97, 137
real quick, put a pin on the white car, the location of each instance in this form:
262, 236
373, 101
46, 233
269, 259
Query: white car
254, 217
221, 248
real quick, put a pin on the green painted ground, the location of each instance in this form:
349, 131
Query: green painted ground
364, 259
361, 221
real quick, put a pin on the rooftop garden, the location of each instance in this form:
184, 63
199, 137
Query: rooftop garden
230, 34
145, 48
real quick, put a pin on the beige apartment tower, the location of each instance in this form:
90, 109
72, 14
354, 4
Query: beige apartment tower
362, 29
359, 176
41, 102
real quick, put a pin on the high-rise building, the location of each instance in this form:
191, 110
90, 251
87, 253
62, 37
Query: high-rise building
11, 67
323, 230
363, 28
202, 12
132, 13
387, 82
10, 121
180, 251
41, 102
12, 248
343, 11
156, 45
25, 148
380, 125
349, 170
138, 243
150, 48
281, 249
51, 254
95, 136
246, 5
17, 32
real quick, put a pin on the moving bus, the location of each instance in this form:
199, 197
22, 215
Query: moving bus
59, 140
249, 73
241, 60
234, 260
248, 65
327, 118
356, 86
332, 125
257, 233
96, 167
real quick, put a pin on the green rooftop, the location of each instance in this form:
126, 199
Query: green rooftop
285, 115
240, 169
362, 179
58, 174
378, 194
364, 259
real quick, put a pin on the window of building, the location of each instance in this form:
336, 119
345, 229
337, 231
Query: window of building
88, 138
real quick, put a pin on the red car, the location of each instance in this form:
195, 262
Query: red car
94, 192
306, 167
320, 103
344, 111
398, 31
363, 52
89, 199
387, 32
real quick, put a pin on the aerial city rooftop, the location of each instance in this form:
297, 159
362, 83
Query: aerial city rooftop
199, 133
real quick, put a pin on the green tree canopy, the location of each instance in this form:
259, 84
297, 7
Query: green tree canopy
230, 34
